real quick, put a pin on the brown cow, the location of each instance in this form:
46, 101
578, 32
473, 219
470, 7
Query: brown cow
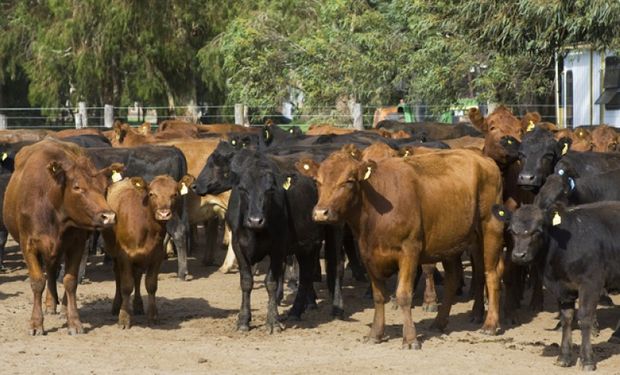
135, 242
21, 135
126, 136
53, 200
581, 138
604, 139
416, 210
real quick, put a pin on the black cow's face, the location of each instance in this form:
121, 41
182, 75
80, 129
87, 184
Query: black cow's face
538, 153
527, 228
557, 188
216, 177
257, 187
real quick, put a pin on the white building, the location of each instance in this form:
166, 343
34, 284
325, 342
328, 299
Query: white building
589, 86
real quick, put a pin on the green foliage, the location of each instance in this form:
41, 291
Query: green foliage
227, 51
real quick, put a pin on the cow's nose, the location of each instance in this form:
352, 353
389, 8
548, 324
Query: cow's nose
255, 222
526, 179
108, 218
163, 214
518, 256
320, 214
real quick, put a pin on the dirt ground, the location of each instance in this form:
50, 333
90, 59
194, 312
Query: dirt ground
196, 334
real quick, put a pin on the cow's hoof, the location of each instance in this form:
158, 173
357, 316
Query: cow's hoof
438, 326
359, 275
430, 307
243, 327
76, 330
563, 361
372, 339
588, 367
338, 312
36, 331
490, 330
124, 320
51, 310
274, 327
476, 318
415, 345
185, 277
311, 305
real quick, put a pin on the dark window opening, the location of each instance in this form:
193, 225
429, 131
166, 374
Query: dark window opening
568, 101
611, 84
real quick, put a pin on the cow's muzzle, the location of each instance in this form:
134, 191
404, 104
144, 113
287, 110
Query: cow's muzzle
320, 214
106, 219
163, 214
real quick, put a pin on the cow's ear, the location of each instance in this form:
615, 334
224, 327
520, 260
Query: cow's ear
581, 133
138, 183
185, 183
145, 128
366, 170
477, 120
120, 130
307, 167
353, 151
530, 118
563, 145
501, 213
406, 151
114, 171
56, 169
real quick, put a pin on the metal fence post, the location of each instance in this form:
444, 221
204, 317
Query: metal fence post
108, 115
239, 113
3, 122
81, 120
356, 114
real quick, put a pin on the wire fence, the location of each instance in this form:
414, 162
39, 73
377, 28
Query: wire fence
65, 118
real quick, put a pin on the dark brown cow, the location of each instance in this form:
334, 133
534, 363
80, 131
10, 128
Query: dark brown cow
416, 210
126, 136
53, 200
135, 242
604, 139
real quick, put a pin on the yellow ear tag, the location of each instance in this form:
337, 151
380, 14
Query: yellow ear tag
4, 156
184, 190
510, 141
368, 172
116, 177
556, 219
406, 153
353, 154
565, 149
290, 131
502, 213
287, 184
233, 142
138, 184
530, 126
306, 167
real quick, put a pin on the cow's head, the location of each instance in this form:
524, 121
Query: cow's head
216, 176
83, 190
501, 128
163, 194
557, 188
539, 152
581, 137
528, 226
338, 179
257, 188
604, 139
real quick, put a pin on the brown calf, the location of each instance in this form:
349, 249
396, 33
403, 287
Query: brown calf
135, 242
416, 210
53, 200
604, 139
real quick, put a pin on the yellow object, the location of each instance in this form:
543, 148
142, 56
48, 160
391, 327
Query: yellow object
530, 126
184, 190
565, 149
368, 172
287, 184
116, 177
557, 220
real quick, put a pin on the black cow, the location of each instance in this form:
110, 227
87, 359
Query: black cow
568, 187
89, 140
577, 250
7, 155
432, 130
266, 215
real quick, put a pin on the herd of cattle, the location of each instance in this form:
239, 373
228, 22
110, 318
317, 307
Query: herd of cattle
521, 198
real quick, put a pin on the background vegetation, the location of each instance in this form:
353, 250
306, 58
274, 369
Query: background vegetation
173, 52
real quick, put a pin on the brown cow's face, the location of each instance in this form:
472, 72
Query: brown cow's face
604, 139
163, 193
500, 124
338, 180
83, 198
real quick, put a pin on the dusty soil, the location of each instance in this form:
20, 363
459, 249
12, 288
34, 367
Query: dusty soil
196, 334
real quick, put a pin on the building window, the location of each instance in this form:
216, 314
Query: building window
568, 101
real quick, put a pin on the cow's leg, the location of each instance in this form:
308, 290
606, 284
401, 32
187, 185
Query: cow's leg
30, 249
150, 282
586, 316
70, 281
306, 260
536, 301
615, 337
177, 228
247, 282
138, 304
211, 241
51, 297
126, 284
404, 294
82, 268
350, 248
271, 283
451, 284
334, 267
380, 297
116, 304
4, 234
567, 312
230, 262
430, 294
492, 231
477, 285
